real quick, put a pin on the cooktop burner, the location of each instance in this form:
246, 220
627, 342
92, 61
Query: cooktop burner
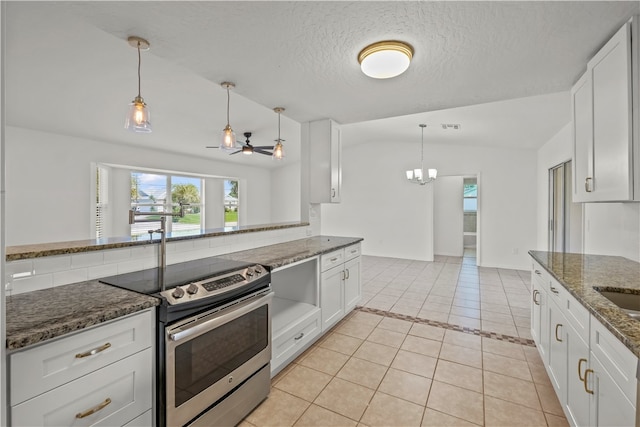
191, 280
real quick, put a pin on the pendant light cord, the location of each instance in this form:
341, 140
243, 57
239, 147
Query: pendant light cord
422, 152
278, 127
139, 61
228, 102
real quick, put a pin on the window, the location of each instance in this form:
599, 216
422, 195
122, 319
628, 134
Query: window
470, 202
153, 192
230, 203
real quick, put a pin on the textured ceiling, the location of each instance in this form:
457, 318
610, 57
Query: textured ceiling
70, 70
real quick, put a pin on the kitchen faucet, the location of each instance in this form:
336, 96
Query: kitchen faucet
163, 234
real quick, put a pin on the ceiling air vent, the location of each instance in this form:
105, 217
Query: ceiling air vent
454, 126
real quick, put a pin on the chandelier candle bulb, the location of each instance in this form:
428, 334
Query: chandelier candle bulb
416, 176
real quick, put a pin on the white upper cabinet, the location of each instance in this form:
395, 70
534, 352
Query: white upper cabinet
325, 152
606, 127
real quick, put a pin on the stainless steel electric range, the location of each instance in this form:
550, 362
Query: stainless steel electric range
213, 341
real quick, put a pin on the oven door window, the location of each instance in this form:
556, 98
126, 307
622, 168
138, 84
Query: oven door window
206, 359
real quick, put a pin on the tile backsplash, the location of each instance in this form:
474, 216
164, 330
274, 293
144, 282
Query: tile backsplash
47, 272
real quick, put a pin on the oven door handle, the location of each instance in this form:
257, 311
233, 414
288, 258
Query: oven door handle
219, 318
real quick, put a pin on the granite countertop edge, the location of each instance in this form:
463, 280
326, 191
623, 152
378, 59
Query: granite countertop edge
596, 272
15, 253
38, 316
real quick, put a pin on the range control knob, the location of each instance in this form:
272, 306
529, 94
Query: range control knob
177, 293
259, 270
249, 272
192, 289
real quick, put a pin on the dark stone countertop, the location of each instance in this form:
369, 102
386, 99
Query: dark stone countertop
34, 317
37, 316
281, 254
582, 274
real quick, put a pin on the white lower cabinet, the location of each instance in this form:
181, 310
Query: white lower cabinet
340, 284
101, 376
592, 372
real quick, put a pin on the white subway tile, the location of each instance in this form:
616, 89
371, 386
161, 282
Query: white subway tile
146, 251
51, 264
100, 271
116, 255
21, 267
129, 266
216, 242
70, 276
33, 283
200, 243
88, 259
184, 246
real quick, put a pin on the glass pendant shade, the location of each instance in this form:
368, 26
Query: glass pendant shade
433, 173
228, 142
278, 151
139, 118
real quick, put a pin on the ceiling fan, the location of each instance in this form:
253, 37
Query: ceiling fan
249, 149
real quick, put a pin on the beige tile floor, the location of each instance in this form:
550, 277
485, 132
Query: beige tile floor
386, 364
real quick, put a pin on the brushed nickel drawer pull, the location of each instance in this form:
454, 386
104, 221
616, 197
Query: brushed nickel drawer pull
586, 375
299, 337
558, 325
580, 362
93, 410
94, 351
334, 259
348, 274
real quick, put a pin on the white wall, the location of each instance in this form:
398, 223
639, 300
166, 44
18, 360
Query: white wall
394, 217
448, 216
609, 228
48, 183
285, 193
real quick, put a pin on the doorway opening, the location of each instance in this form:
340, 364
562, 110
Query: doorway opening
565, 217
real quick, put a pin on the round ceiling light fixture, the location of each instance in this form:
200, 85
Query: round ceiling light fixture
386, 59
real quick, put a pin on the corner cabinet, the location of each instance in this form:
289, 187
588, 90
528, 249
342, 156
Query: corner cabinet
592, 372
102, 375
340, 285
606, 122
325, 152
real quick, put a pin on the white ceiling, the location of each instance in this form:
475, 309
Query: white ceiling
69, 69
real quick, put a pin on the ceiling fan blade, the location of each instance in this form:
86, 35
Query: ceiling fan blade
261, 151
264, 147
235, 152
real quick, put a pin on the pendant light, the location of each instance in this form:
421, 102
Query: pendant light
138, 119
278, 150
228, 135
385, 59
416, 176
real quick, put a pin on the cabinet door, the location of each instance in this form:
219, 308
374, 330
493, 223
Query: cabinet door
582, 109
612, 131
325, 171
352, 289
557, 352
539, 319
332, 297
336, 164
578, 359
609, 405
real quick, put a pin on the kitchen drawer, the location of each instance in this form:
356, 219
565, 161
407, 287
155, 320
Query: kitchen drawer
331, 259
352, 252
288, 343
127, 383
615, 357
44, 367
577, 314
540, 275
144, 420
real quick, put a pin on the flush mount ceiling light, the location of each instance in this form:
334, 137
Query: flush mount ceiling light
386, 59
228, 142
416, 176
138, 119
278, 150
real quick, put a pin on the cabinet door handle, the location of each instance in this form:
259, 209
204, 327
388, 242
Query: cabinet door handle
586, 377
299, 337
558, 325
536, 293
93, 351
587, 184
333, 192
580, 362
348, 274
344, 275
93, 410
554, 290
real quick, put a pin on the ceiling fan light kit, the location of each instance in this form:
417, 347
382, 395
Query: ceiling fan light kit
416, 176
138, 118
385, 59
